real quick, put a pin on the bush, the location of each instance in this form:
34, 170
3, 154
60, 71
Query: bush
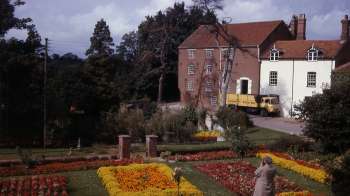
290, 144
341, 175
235, 124
327, 115
180, 124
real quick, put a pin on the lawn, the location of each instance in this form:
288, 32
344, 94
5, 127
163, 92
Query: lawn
87, 182
257, 135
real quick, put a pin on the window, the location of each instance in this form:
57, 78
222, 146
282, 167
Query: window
209, 86
190, 69
209, 69
312, 54
273, 78
274, 54
225, 53
191, 53
189, 85
213, 100
311, 79
208, 53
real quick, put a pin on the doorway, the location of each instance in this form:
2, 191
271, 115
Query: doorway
244, 86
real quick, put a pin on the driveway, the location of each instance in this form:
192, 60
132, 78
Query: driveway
285, 125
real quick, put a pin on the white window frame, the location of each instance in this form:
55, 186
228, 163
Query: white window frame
189, 85
273, 78
312, 54
311, 79
191, 53
209, 53
191, 69
213, 100
209, 86
274, 54
209, 69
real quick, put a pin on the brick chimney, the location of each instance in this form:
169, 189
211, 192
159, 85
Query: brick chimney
301, 27
345, 23
293, 26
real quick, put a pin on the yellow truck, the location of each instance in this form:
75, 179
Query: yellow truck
265, 104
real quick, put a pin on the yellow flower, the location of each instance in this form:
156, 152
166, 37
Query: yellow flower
156, 179
315, 174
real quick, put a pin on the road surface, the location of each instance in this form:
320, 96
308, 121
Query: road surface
279, 124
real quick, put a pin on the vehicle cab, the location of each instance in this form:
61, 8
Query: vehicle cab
271, 104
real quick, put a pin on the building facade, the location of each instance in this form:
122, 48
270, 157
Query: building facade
289, 73
202, 57
296, 69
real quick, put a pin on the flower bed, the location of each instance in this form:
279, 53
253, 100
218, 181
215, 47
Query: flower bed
239, 177
144, 179
35, 185
206, 135
61, 167
301, 193
318, 175
202, 156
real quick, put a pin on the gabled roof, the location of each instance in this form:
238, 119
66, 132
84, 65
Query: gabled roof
297, 49
252, 33
343, 68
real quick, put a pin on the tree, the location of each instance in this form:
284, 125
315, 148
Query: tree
210, 5
158, 39
128, 47
327, 115
7, 18
235, 124
101, 40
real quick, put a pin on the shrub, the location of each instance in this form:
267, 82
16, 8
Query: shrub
291, 144
167, 123
327, 115
341, 175
235, 124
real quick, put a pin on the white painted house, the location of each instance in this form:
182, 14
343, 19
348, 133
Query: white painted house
297, 69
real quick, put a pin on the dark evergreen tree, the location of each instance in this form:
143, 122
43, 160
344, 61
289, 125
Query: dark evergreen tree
101, 40
7, 18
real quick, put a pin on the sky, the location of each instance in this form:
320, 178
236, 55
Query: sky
69, 24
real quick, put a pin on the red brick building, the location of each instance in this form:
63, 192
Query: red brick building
201, 56
201, 59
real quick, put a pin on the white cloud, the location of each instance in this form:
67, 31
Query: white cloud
326, 26
253, 10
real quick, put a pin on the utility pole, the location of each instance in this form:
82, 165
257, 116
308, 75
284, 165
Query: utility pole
44, 96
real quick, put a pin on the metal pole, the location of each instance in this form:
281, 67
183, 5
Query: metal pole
44, 96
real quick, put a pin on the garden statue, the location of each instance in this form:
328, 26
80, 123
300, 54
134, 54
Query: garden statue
265, 174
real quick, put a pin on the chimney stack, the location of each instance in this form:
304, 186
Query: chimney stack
345, 23
301, 27
293, 26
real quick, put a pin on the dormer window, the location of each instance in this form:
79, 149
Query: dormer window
312, 54
274, 54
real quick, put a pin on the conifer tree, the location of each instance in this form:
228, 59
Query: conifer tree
101, 40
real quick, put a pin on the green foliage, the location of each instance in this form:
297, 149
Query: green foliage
167, 124
235, 124
327, 116
290, 143
7, 18
227, 118
341, 175
101, 40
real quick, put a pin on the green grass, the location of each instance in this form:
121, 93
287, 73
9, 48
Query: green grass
85, 183
256, 135
207, 185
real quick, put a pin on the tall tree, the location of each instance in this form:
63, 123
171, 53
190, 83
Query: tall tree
128, 47
7, 18
101, 40
211, 5
159, 36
